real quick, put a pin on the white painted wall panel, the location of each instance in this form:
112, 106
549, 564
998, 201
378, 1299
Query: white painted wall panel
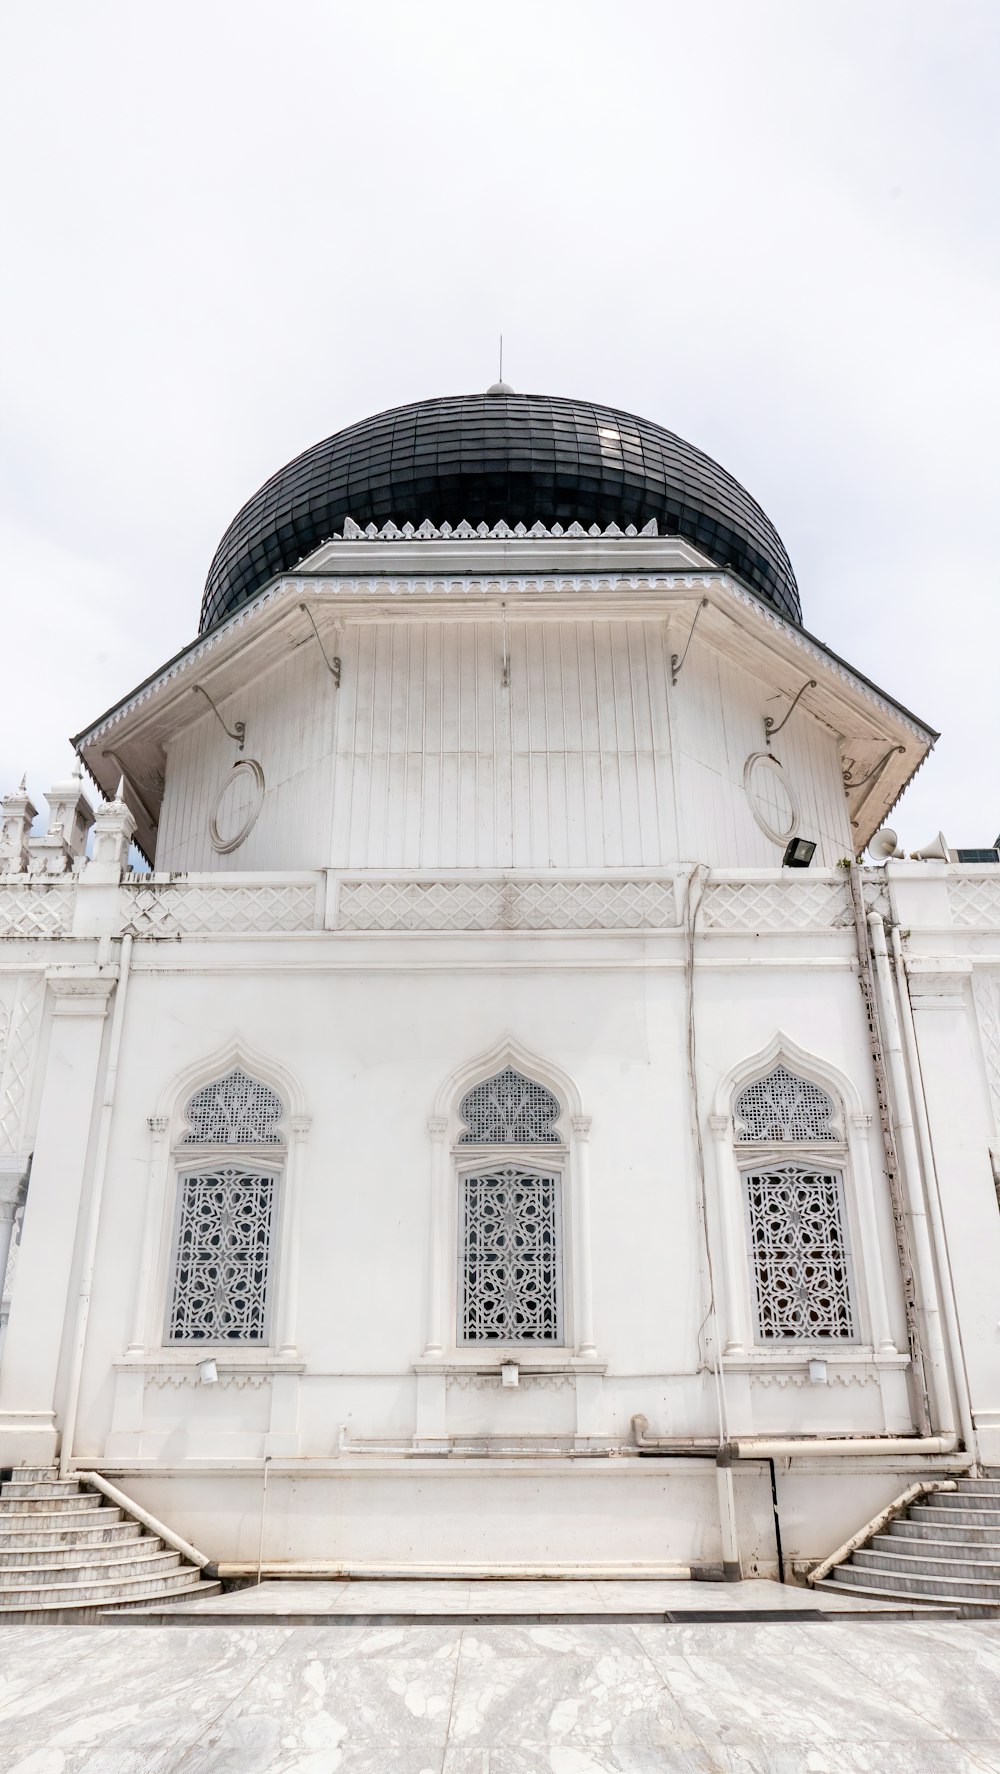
425, 759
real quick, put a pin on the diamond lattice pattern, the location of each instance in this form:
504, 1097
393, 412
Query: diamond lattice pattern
36, 909
180, 910
511, 1280
506, 905
776, 905
223, 1257
509, 1110
781, 1107
975, 904
799, 1248
236, 1110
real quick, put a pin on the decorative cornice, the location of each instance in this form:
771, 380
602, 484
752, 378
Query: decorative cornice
468, 585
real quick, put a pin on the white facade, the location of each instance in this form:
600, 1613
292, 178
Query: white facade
530, 828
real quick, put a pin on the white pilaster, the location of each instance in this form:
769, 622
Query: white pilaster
28, 1378
584, 1238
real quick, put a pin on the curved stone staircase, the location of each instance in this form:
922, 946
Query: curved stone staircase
66, 1552
943, 1547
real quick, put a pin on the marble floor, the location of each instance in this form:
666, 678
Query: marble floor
410, 1597
830, 1696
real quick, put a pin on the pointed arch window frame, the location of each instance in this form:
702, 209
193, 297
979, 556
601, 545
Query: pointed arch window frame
452, 1158
850, 1152
171, 1154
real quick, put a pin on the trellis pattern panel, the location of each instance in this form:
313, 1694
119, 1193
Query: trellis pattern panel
183, 909
776, 905
223, 1257
236, 1110
36, 908
509, 1110
511, 1280
783, 1106
506, 905
800, 1254
975, 903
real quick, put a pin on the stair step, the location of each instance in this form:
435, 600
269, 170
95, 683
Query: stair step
968, 1487
39, 1487
985, 1518
84, 1613
876, 1593
902, 1582
46, 1549
968, 1532
977, 1552
123, 1533
927, 1562
72, 1499
958, 1501
84, 1520
108, 1590
155, 1563
31, 1473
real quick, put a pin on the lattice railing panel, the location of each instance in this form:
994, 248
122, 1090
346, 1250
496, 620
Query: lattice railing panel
800, 1253
17, 1060
511, 1263
183, 910
986, 994
509, 1110
975, 904
776, 905
236, 1110
506, 905
782, 1106
29, 908
223, 1257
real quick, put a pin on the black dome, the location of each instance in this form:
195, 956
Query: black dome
523, 457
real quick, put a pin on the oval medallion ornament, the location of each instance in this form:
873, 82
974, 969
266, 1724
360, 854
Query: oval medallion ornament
771, 796
236, 806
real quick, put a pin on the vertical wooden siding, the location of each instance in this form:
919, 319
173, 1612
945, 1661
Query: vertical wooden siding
424, 759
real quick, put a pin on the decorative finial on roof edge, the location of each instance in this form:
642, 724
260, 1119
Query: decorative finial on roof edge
466, 532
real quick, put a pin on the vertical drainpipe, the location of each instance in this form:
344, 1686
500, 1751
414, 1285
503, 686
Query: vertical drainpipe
934, 1206
937, 1358
93, 1213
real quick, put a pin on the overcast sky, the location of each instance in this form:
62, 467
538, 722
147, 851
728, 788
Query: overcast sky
770, 225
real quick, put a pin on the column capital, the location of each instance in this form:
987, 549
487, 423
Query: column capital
860, 1122
158, 1125
720, 1126
80, 991
299, 1126
437, 1127
581, 1125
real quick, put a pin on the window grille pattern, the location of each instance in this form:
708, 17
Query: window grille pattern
782, 1107
509, 1110
511, 1269
799, 1249
234, 1111
223, 1260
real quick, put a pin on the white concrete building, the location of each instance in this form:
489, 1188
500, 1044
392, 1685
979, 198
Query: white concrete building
471, 1078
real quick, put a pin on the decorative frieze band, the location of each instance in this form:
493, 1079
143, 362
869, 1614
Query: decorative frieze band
370, 905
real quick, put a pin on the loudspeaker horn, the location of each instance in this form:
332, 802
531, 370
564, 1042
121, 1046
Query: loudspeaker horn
936, 851
884, 844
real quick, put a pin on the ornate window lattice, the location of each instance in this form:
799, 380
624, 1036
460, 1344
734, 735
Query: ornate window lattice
511, 1258
236, 1110
781, 1107
800, 1254
223, 1256
509, 1110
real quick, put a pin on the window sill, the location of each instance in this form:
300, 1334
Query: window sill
535, 1361
227, 1360
795, 1357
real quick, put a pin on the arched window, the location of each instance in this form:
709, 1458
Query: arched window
510, 1283
792, 1162
227, 1205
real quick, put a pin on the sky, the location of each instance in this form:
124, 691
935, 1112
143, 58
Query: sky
233, 226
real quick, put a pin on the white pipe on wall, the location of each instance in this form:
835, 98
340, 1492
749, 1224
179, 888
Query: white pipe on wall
922, 1251
934, 1204
93, 1212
